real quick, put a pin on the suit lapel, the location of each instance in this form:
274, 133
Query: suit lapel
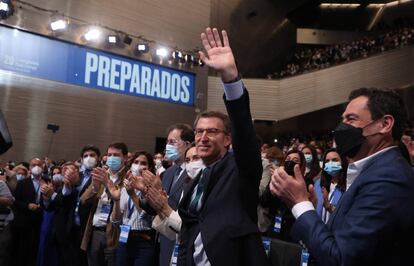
360, 178
168, 178
178, 185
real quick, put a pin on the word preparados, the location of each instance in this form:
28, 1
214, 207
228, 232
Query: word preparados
138, 79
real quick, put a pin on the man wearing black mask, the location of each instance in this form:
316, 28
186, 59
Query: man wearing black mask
373, 223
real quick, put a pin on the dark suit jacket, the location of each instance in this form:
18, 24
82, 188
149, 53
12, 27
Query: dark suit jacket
64, 208
373, 223
228, 218
24, 194
174, 194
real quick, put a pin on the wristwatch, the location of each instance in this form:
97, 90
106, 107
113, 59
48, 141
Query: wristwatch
331, 208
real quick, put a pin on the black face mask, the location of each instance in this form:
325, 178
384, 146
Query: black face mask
348, 139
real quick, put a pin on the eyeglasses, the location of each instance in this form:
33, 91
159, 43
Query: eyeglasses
210, 132
173, 141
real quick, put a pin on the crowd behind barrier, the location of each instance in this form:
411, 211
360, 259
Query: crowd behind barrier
309, 59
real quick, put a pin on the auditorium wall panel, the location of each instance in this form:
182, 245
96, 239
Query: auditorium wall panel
293, 96
85, 116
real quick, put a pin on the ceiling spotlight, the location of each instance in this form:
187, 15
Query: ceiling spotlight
58, 24
127, 40
142, 48
161, 52
6, 9
177, 55
4, 6
92, 35
189, 58
113, 39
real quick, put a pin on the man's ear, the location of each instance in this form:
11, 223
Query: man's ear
227, 140
387, 123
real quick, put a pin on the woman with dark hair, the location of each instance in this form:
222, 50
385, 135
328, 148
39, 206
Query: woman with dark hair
279, 214
313, 168
332, 184
137, 241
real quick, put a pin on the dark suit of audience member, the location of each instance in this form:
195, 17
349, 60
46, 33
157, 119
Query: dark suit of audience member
26, 226
174, 192
67, 229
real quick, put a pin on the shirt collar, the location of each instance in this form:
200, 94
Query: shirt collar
355, 168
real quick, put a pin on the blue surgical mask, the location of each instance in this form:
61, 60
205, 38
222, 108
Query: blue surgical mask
114, 163
308, 158
20, 177
333, 168
171, 152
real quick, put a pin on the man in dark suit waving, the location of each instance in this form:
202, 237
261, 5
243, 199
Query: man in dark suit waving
373, 224
219, 207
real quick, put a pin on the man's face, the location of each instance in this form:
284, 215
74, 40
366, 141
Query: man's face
116, 152
158, 156
174, 138
211, 139
36, 162
90, 153
357, 113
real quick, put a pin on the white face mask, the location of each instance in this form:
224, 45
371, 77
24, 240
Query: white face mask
58, 178
158, 163
89, 162
193, 168
136, 169
37, 170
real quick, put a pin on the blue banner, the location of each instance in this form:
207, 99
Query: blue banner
41, 57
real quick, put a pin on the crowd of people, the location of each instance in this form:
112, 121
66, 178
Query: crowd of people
214, 194
308, 59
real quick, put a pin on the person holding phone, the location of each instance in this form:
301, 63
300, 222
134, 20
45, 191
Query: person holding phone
279, 213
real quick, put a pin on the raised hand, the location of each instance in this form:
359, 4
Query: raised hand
128, 185
151, 180
158, 200
99, 176
290, 189
219, 54
70, 175
47, 190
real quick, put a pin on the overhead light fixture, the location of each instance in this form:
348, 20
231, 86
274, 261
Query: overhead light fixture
161, 52
113, 39
189, 58
92, 35
4, 6
127, 40
6, 9
58, 24
339, 5
142, 48
177, 55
